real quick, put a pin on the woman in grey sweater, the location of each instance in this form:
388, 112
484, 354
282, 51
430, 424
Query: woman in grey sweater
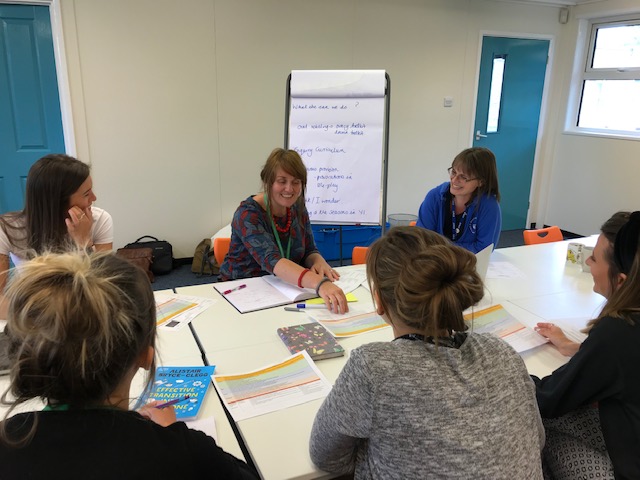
436, 402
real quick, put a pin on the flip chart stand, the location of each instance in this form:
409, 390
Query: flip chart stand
338, 121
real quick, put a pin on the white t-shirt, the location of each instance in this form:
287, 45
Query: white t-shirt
101, 233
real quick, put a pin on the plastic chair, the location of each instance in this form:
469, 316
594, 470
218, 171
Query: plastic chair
359, 255
542, 235
220, 248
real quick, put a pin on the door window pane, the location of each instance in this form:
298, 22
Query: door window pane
495, 95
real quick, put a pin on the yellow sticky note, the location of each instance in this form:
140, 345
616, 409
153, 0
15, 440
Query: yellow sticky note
318, 301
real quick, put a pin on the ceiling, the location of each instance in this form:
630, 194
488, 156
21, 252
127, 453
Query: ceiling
564, 3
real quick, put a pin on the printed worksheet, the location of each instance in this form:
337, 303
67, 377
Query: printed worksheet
351, 278
504, 270
361, 318
175, 311
294, 381
497, 321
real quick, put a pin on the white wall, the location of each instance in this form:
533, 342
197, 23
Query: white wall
587, 178
177, 103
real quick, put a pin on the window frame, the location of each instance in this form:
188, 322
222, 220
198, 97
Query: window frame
583, 71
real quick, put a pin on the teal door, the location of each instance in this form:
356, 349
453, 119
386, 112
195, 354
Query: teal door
30, 119
510, 90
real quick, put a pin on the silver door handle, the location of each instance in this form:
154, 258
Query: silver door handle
479, 135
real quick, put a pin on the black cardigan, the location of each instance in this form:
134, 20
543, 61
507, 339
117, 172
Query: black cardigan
108, 443
606, 371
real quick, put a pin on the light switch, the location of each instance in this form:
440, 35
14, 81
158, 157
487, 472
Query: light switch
448, 101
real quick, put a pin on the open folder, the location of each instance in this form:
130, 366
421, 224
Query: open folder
258, 293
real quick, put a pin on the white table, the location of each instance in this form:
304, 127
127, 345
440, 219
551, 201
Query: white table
278, 441
550, 290
179, 348
234, 342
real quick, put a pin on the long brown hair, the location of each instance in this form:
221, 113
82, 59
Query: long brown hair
50, 183
623, 301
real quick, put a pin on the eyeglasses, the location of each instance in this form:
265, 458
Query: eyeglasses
463, 178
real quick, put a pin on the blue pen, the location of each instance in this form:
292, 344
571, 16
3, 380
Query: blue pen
298, 307
173, 402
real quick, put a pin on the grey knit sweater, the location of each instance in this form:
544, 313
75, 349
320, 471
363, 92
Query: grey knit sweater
405, 410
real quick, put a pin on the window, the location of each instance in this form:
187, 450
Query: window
609, 87
495, 93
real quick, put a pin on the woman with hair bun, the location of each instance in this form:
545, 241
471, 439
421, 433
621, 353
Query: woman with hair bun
436, 402
79, 328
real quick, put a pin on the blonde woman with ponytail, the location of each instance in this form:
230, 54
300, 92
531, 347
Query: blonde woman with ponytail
79, 328
437, 401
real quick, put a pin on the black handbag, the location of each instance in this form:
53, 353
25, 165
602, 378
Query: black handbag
162, 253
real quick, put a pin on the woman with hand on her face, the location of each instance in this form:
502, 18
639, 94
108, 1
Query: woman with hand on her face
80, 326
271, 234
58, 214
466, 209
591, 405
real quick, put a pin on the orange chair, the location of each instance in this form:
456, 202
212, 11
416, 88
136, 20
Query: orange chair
542, 235
359, 255
220, 248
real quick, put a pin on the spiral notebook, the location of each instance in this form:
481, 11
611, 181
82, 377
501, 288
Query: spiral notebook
258, 293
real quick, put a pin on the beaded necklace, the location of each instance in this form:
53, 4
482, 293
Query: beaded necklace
286, 228
275, 228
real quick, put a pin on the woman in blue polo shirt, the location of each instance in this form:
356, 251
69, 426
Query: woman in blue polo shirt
466, 209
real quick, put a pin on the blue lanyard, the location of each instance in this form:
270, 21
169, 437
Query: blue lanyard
455, 226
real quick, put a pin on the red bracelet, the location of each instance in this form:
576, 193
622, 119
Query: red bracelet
304, 272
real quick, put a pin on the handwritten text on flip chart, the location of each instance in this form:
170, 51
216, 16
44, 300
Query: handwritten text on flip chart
340, 142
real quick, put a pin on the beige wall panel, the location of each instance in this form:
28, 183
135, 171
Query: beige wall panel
149, 90
177, 103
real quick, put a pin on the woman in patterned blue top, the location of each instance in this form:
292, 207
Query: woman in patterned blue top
271, 233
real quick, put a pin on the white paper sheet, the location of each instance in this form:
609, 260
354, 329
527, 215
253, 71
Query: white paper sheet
294, 381
175, 311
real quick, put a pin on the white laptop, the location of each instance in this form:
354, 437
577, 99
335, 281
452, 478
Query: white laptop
482, 261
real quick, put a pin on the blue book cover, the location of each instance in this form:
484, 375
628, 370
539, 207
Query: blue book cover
173, 383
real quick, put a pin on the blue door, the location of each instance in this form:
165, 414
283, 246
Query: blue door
30, 118
510, 90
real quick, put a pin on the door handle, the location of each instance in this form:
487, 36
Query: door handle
479, 135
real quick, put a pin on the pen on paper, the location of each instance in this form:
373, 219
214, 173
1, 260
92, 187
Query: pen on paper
301, 306
173, 402
239, 287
